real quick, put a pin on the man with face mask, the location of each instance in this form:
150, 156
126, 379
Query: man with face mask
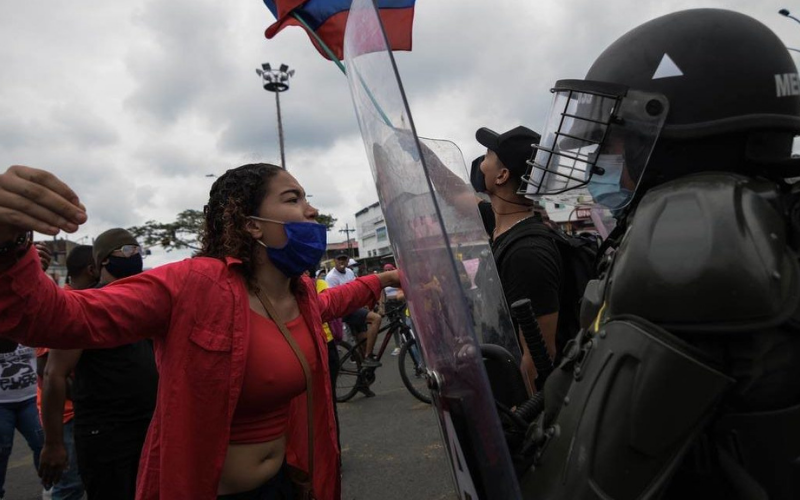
57, 463
530, 266
114, 391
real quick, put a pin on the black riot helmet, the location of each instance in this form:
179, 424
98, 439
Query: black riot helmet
732, 102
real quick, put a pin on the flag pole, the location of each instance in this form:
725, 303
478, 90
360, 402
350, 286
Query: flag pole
336, 60
321, 43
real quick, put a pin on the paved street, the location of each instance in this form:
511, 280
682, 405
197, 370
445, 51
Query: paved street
391, 448
22, 483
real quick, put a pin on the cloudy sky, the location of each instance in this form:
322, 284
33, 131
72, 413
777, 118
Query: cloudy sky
134, 103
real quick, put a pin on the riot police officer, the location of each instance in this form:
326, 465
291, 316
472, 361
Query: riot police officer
685, 381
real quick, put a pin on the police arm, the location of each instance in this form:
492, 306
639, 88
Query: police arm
54, 460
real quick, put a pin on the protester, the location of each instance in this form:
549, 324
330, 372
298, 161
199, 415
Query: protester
361, 320
18, 406
114, 393
392, 297
82, 272
18, 398
531, 267
232, 403
58, 464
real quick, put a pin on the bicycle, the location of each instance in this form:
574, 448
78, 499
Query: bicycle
353, 376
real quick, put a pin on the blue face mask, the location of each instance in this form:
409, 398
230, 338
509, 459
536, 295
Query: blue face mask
305, 246
605, 188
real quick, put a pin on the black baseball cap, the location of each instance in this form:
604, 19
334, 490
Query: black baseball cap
341, 256
512, 147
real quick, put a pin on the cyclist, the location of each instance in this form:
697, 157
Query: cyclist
391, 298
362, 320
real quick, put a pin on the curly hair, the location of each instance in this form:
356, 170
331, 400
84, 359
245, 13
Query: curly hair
234, 197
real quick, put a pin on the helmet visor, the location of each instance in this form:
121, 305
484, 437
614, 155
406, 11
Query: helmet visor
596, 143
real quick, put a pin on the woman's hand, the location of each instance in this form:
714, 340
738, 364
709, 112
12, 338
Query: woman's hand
36, 200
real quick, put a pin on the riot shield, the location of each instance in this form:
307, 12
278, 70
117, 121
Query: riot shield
438, 239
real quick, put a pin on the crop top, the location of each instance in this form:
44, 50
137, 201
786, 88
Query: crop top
273, 376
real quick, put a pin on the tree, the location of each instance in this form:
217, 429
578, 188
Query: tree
182, 234
327, 220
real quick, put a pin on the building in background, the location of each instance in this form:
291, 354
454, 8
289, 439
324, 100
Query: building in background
58, 266
371, 233
334, 249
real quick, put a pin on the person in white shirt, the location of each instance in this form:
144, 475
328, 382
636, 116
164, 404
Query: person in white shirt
18, 406
362, 321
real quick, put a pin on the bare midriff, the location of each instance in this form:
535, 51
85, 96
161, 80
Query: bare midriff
249, 466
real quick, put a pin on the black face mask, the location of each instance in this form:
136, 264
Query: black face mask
476, 177
122, 267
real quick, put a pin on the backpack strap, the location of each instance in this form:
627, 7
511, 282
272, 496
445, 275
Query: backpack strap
529, 228
273, 314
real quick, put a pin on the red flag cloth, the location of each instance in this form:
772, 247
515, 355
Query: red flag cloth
327, 18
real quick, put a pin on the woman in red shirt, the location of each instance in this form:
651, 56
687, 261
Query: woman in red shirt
232, 405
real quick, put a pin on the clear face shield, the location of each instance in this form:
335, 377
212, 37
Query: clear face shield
596, 143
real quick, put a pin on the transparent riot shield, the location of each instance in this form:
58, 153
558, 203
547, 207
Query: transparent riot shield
446, 266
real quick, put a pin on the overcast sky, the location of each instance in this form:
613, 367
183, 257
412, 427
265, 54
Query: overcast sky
134, 103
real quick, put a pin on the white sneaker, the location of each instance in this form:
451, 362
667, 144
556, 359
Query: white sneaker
396, 351
47, 494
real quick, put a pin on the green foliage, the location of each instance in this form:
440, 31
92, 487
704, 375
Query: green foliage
327, 220
183, 233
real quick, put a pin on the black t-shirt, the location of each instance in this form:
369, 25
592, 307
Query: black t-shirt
531, 267
116, 385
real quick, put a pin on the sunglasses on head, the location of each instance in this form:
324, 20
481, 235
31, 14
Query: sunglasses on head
128, 250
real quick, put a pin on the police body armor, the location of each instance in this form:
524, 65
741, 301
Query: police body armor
687, 382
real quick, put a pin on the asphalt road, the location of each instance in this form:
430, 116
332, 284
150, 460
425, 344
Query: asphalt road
391, 448
22, 483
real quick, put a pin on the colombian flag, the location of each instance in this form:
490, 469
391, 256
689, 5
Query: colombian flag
328, 18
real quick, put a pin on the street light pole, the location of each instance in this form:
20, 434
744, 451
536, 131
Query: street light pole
277, 81
786, 13
280, 128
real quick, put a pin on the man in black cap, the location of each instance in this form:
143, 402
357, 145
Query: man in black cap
529, 266
114, 392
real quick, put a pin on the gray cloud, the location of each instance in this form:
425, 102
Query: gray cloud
185, 60
132, 103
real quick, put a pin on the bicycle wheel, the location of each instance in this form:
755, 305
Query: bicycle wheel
347, 380
413, 371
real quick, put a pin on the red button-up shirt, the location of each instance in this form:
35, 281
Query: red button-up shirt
197, 313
